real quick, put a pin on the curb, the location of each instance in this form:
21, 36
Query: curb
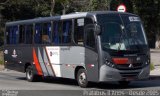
154, 77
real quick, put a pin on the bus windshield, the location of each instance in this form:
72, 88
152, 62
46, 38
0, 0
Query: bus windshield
121, 32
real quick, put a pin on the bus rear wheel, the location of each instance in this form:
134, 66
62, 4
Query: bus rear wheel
30, 75
82, 78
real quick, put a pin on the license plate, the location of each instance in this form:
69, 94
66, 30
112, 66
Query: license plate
130, 78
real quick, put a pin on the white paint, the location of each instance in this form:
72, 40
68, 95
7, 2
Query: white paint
57, 70
5, 51
132, 19
54, 57
53, 54
14, 55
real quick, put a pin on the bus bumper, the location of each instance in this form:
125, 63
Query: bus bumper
112, 74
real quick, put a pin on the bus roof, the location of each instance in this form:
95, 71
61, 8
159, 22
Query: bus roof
63, 17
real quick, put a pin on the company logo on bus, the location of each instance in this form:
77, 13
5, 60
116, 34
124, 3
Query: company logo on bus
130, 66
14, 55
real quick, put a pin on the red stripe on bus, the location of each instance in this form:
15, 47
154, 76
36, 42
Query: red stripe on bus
38, 67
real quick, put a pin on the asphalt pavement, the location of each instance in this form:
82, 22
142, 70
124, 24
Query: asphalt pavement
16, 81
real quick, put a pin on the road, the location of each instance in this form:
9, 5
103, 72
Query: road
155, 55
11, 80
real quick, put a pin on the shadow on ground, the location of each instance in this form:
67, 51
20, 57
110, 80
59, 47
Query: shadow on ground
153, 81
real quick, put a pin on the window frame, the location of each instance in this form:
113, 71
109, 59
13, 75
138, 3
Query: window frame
74, 30
85, 38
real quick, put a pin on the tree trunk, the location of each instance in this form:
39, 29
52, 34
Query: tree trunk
52, 7
64, 9
157, 43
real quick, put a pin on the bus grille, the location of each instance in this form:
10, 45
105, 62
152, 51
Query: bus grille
129, 74
127, 66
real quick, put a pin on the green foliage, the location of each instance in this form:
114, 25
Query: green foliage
152, 66
149, 11
1, 57
1, 62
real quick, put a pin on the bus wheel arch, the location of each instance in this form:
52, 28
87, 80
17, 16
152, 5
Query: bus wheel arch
81, 76
76, 70
26, 65
30, 75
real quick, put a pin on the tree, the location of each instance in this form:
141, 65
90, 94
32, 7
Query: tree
149, 11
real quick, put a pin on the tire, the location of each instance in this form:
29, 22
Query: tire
82, 78
30, 76
124, 83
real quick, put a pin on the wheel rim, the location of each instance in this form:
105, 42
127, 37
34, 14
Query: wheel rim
82, 78
29, 74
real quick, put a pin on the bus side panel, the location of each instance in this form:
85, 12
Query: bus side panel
16, 56
64, 60
70, 58
26, 57
91, 61
11, 58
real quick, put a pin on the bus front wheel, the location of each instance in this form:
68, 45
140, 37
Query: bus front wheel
82, 78
30, 75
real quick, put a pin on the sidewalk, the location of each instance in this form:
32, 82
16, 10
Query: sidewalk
1, 67
155, 59
156, 71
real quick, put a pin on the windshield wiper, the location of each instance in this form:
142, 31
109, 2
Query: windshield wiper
121, 36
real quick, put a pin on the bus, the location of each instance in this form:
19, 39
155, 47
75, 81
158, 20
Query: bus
99, 46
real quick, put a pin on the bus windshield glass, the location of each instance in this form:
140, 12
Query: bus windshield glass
121, 32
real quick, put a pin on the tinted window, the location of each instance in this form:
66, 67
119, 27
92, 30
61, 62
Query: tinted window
38, 34
89, 34
121, 32
79, 29
46, 34
134, 30
29, 34
67, 29
56, 32
62, 32
22, 34
12, 35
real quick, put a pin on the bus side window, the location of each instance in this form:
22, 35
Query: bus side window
29, 33
46, 34
55, 36
89, 36
15, 35
12, 34
7, 35
37, 34
67, 28
21, 34
78, 31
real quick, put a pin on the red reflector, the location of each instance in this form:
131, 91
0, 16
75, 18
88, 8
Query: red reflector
120, 60
90, 65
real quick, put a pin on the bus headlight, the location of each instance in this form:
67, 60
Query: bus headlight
110, 64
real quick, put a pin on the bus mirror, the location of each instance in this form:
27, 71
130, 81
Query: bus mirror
97, 29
